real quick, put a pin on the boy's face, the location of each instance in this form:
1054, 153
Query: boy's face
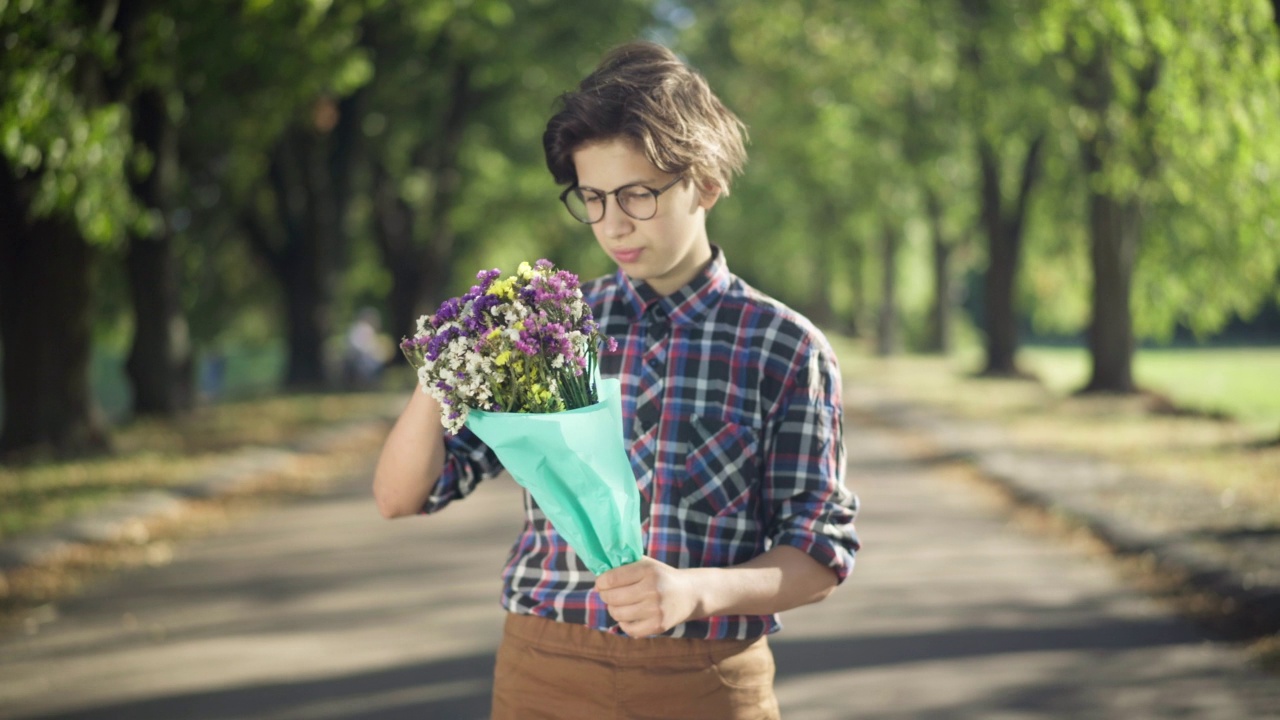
670, 248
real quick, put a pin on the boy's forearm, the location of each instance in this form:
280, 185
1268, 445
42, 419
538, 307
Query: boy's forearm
779, 580
412, 458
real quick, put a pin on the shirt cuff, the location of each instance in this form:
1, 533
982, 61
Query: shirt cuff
835, 554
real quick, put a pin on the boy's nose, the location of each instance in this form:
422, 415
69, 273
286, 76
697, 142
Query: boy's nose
615, 223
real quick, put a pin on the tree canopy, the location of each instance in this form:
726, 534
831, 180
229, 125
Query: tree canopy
1090, 167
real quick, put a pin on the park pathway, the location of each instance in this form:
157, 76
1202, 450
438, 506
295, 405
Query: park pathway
320, 610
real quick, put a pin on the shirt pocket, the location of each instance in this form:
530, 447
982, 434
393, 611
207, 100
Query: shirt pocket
721, 465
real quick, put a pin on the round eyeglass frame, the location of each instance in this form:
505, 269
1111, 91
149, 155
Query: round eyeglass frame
655, 192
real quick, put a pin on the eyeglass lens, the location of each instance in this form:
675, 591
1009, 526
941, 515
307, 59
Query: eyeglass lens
588, 205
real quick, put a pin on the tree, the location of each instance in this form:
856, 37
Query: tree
859, 136
63, 200
1173, 114
456, 109
425, 94
801, 220
1008, 115
161, 362
271, 91
936, 149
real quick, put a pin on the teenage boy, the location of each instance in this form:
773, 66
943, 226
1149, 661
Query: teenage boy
731, 406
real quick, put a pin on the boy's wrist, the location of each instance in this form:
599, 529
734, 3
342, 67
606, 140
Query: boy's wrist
704, 582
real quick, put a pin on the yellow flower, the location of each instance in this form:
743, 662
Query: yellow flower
504, 289
502, 358
525, 271
540, 394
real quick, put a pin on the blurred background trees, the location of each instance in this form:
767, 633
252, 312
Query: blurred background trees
184, 184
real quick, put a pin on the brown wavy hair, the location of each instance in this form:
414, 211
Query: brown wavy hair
642, 92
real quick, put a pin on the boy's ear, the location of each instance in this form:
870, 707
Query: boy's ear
708, 194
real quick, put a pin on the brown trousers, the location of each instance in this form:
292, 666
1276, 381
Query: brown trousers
562, 671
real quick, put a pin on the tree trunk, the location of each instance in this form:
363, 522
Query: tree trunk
46, 331
419, 276
406, 300
887, 318
856, 322
1004, 232
440, 158
421, 268
1114, 236
1001, 318
821, 311
393, 232
307, 314
1001, 321
160, 365
406, 303
938, 339
310, 206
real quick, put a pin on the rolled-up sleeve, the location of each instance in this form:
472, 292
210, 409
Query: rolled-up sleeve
811, 507
468, 461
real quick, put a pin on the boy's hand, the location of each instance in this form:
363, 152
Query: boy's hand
648, 597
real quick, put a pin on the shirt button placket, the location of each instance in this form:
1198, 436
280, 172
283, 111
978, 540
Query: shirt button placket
650, 411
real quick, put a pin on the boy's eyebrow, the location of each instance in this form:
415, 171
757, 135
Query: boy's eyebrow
646, 182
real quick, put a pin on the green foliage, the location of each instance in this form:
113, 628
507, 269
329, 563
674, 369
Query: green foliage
245, 75
250, 72
1181, 101
853, 120
501, 64
857, 118
59, 133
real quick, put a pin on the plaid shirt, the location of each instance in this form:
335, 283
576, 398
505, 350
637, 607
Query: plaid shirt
731, 406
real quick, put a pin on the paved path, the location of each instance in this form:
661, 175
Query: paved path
321, 610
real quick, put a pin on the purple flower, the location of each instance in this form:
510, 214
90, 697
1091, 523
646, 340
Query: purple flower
446, 313
486, 278
440, 341
480, 316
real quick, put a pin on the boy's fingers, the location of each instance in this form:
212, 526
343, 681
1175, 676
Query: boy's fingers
620, 577
623, 595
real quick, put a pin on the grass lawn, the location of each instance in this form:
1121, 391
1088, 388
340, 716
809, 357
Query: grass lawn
1242, 382
1237, 458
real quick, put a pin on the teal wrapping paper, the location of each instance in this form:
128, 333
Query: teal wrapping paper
574, 464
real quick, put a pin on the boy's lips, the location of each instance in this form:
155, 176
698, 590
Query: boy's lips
627, 256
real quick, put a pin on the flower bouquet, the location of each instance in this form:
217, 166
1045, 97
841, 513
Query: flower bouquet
516, 361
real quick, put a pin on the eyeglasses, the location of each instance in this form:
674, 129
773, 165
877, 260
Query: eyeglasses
640, 202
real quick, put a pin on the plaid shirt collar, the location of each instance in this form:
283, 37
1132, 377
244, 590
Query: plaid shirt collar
685, 306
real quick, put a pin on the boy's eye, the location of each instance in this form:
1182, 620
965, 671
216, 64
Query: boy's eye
637, 193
